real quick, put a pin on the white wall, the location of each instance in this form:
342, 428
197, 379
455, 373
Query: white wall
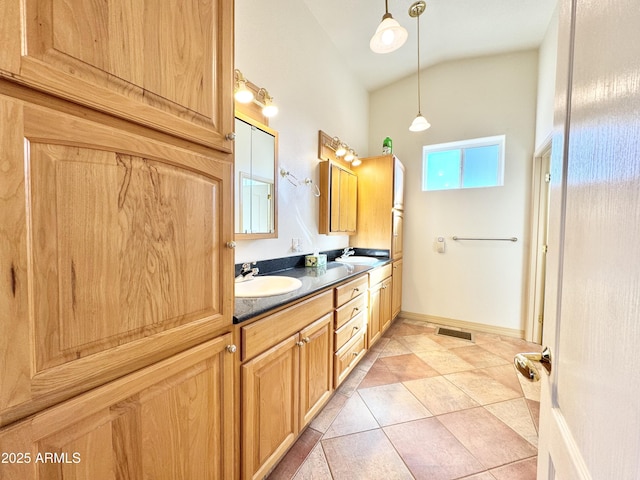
477, 282
311, 84
547, 82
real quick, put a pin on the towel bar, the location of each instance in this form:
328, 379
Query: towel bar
510, 239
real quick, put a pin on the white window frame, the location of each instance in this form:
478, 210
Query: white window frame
499, 140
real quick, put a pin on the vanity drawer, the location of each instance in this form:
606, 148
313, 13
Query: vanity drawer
351, 290
263, 334
379, 274
348, 357
349, 330
349, 310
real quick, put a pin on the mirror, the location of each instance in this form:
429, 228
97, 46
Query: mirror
256, 148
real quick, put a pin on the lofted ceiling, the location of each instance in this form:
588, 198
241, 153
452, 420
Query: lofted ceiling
449, 29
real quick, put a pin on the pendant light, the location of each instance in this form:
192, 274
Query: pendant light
419, 123
389, 35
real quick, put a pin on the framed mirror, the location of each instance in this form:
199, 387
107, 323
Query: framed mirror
256, 164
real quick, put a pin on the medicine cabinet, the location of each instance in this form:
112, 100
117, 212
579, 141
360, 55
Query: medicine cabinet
256, 198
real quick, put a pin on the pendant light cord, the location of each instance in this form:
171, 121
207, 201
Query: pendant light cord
419, 102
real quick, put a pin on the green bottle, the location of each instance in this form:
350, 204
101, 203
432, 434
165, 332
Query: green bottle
387, 146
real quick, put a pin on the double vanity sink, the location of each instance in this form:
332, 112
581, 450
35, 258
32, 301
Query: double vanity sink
277, 285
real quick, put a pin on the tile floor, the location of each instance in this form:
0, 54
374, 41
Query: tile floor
425, 406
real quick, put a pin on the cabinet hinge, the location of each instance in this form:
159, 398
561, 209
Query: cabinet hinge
545, 248
547, 177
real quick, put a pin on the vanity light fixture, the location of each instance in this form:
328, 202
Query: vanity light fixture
356, 161
349, 156
389, 36
241, 92
269, 109
338, 147
419, 123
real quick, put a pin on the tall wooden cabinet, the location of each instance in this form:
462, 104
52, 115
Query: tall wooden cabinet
380, 226
380, 204
115, 213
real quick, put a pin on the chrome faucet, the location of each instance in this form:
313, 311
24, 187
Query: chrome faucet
247, 273
347, 252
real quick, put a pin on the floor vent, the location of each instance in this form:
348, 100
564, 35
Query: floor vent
455, 333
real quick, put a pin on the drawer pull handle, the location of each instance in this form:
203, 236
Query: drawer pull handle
356, 328
356, 309
355, 354
356, 289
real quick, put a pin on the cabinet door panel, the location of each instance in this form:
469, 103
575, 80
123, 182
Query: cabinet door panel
396, 244
168, 68
396, 288
270, 396
168, 421
316, 367
125, 255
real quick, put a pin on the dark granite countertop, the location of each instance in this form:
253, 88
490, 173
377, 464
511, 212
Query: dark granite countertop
313, 280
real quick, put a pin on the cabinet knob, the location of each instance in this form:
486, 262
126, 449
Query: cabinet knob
356, 309
230, 136
231, 244
306, 339
300, 343
231, 348
355, 354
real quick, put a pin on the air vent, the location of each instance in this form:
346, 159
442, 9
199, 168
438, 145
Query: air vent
455, 333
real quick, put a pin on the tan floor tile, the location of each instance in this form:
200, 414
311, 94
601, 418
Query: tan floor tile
480, 476
479, 357
378, 374
430, 451
507, 375
353, 380
488, 439
328, 414
534, 408
439, 395
420, 343
444, 361
364, 456
516, 414
394, 347
296, 455
408, 367
392, 404
482, 387
354, 417
523, 470
315, 467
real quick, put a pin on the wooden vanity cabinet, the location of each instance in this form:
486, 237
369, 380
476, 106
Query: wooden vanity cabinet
286, 379
380, 303
338, 199
350, 326
167, 421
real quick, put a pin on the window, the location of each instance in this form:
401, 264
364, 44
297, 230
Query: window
465, 164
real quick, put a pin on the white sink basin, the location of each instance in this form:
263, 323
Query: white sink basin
267, 286
357, 260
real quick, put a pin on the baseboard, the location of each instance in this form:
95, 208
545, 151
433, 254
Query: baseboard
462, 324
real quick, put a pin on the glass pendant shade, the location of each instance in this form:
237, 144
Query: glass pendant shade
389, 36
419, 124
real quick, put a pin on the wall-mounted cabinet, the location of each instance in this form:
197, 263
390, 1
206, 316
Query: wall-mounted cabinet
256, 192
338, 199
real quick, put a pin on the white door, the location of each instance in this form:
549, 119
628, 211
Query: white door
590, 403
